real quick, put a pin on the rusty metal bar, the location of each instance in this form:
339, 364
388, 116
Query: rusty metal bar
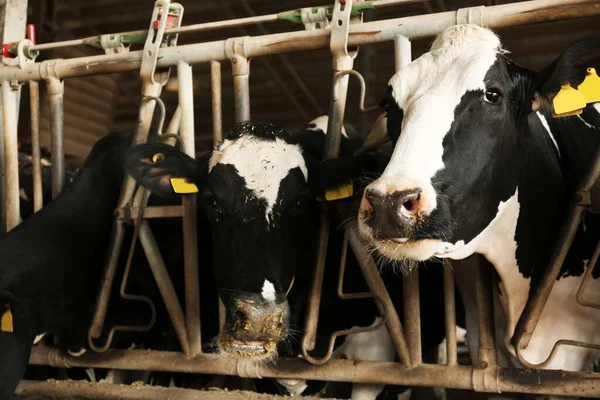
412, 315
217, 108
376, 285
241, 87
56, 89
190, 225
539, 295
512, 380
415, 27
36, 155
486, 353
163, 281
450, 315
11, 155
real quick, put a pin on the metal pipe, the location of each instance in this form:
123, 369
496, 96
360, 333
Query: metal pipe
583, 384
376, 285
190, 225
217, 108
163, 281
11, 155
36, 155
56, 89
402, 52
412, 315
450, 314
415, 27
486, 353
241, 87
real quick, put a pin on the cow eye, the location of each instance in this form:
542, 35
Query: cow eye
492, 96
158, 157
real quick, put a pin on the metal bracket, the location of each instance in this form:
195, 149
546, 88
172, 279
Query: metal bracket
154, 41
314, 18
340, 26
112, 44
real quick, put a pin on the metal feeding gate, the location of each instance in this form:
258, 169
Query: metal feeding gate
341, 29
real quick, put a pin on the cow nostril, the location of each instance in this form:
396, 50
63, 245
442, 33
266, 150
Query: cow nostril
410, 208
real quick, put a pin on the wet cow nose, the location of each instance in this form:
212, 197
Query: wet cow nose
391, 212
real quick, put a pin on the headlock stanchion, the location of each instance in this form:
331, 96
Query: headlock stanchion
340, 29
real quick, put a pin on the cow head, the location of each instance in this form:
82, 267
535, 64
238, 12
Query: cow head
258, 188
459, 117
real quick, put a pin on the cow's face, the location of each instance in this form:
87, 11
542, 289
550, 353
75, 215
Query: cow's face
257, 200
258, 190
454, 114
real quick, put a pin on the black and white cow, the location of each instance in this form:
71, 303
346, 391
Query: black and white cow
52, 263
259, 188
480, 166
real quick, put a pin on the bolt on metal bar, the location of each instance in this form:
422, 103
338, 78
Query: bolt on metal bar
36, 155
11, 155
190, 225
450, 315
217, 108
56, 89
376, 285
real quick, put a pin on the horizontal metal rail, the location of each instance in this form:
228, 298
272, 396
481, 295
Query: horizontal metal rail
493, 380
501, 16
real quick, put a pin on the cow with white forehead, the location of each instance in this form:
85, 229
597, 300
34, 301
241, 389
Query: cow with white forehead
480, 166
259, 189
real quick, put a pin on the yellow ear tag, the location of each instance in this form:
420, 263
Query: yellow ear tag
567, 100
6, 322
340, 192
590, 87
567, 114
182, 185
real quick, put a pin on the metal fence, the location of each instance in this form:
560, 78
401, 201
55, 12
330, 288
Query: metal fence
341, 36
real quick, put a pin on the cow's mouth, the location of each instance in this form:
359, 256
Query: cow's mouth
246, 348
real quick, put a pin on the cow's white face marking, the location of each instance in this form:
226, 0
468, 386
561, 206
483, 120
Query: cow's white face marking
433, 85
268, 291
262, 163
321, 124
547, 127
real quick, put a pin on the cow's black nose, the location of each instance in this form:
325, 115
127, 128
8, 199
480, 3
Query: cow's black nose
390, 215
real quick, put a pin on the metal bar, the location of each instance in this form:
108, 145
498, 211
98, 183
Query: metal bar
415, 27
151, 212
56, 90
11, 155
450, 313
190, 225
583, 384
586, 279
486, 353
163, 281
376, 285
412, 315
241, 87
217, 108
36, 155
402, 51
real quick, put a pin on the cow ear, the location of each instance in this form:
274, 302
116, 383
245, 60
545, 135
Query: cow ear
165, 170
360, 170
570, 67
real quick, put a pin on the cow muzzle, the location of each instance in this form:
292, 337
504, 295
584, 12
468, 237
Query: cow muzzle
254, 326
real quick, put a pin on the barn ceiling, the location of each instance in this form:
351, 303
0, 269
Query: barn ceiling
94, 105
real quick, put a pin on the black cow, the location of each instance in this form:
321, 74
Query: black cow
259, 188
491, 173
52, 262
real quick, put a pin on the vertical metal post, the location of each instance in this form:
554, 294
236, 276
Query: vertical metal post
36, 155
55, 91
190, 226
241, 87
402, 52
450, 310
217, 110
412, 315
12, 26
11, 155
486, 353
